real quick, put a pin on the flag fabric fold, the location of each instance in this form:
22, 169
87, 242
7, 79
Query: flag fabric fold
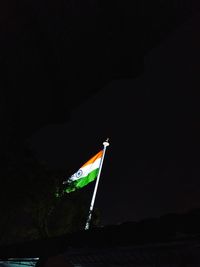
86, 174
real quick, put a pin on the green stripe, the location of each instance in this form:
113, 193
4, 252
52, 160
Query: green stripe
82, 182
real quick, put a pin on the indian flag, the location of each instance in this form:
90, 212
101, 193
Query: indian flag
86, 174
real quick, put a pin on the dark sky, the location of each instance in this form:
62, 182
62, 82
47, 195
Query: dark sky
153, 122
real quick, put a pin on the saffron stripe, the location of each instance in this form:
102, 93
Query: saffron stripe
85, 170
95, 157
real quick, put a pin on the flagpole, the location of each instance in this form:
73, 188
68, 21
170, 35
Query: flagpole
96, 186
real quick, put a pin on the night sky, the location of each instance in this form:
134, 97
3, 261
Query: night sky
153, 121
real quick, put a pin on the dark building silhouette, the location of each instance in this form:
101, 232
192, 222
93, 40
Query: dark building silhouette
170, 240
54, 55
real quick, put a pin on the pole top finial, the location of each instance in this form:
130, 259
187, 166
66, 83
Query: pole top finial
106, 142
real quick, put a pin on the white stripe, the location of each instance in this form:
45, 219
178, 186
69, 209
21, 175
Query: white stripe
85, 170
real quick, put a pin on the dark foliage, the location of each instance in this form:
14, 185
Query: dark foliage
53, 56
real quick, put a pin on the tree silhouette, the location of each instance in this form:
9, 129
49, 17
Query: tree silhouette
28, 202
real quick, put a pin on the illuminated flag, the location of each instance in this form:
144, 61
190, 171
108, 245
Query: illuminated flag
86, 174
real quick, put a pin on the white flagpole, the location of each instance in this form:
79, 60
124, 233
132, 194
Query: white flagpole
96, 186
